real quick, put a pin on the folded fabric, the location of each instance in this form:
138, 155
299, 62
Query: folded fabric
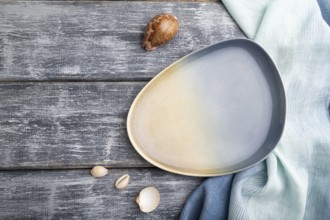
209, 200
294, 181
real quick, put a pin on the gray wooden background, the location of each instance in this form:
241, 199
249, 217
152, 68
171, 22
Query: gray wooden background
69, 71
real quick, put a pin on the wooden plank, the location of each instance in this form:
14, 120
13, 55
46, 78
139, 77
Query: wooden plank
74, 194
66, 125
115, 0
100, 40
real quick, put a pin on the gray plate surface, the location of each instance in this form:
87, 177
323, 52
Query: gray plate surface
216, 111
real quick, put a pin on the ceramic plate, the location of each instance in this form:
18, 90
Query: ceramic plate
216, 111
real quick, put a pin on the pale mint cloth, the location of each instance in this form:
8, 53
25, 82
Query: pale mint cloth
294, 181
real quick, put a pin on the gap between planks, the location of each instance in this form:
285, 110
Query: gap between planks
78, 81
110, 1
89, 167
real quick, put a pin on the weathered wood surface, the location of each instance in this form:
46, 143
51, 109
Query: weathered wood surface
75, 194
115, 0
100, 40
70, 125
66, 125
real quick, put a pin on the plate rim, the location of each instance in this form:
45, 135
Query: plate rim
201, 174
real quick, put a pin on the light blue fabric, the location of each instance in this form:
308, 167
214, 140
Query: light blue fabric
294, 181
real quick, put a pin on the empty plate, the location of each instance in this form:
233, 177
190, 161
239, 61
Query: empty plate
216, 111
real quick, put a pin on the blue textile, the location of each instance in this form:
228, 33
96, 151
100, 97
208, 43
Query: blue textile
294, 182
325, 9
209, 200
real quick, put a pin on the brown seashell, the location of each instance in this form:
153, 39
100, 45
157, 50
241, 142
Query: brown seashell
160, 30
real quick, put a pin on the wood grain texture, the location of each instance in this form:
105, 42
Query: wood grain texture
75, 194
114, 0
100, 40
66, 125
71, 125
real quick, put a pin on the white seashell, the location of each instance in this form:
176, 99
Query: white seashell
148, 199
122, 182
99, 171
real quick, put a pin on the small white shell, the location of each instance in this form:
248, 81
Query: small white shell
99, 171
148, 199
122, 182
